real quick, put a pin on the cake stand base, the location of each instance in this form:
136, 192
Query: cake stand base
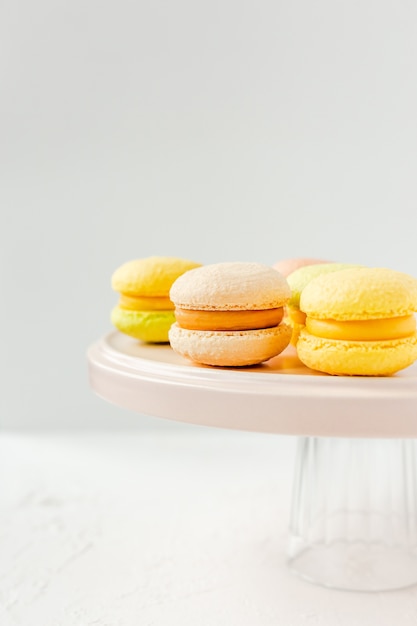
353, 522
356, 567
354, 513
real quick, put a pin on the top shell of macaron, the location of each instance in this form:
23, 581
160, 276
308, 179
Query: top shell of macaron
360, 294
151, 276
300, 278
288, 266
231, 286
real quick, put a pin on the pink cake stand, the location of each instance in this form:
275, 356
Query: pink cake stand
353, 522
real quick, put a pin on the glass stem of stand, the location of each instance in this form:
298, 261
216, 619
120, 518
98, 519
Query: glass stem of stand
353, 521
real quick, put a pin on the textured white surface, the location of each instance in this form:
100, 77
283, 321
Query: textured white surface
163, 528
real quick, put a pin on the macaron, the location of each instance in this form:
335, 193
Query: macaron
230, 314
145, 311
287, 266
298, 280
361, 323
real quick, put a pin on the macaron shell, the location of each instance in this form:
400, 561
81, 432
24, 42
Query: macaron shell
287, 266
360, 294
230, 349
356, 358
300, 278
231, 286
148, 326
152, 276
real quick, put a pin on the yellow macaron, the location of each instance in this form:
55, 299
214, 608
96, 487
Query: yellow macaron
230, 314
145, 310
359, 322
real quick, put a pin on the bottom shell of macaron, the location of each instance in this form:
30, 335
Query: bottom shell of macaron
230, 349
356, 358
148, 326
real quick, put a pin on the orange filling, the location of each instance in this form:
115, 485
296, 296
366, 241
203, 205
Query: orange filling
297, 317
228, 320
139, 303
363, 330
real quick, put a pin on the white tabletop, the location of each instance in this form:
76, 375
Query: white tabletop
178, 526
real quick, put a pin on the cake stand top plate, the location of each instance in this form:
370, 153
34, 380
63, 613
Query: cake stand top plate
280, 396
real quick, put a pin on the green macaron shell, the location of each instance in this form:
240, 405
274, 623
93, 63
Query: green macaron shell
301, 277
148, 326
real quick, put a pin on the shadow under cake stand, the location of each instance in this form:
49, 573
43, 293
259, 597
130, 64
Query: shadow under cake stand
353, 521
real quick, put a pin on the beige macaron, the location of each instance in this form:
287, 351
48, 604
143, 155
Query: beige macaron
230, 314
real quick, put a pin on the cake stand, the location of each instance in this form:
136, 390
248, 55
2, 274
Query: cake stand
353, 522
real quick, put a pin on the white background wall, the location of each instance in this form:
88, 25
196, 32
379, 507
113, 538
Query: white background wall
221, 130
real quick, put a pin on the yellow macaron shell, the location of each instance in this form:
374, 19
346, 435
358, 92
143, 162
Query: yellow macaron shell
229, 314
356, 358
145, 310
360, 294
361, 323
151, 276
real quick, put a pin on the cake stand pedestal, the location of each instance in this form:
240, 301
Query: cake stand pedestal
353, 522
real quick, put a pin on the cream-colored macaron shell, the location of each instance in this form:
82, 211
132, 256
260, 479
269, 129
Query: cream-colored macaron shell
229, 349
231, 286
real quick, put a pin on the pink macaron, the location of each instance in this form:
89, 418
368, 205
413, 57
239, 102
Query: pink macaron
287, 266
